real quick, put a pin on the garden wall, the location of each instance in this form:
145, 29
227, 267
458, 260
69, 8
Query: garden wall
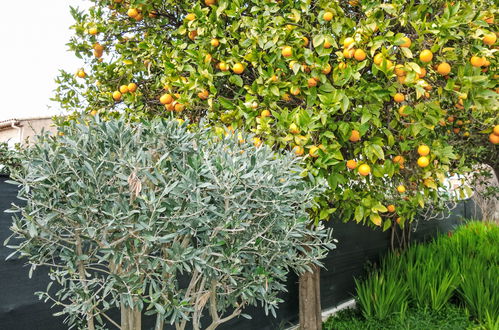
357, 247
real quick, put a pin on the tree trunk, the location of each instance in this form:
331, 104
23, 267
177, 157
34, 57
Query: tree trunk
131, 318
310, 300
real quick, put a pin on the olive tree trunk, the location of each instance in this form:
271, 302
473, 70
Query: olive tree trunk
310, 300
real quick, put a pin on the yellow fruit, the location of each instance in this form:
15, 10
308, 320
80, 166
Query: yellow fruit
98, 47
132, 12
422, 74
364, 170
378, 59
407, 42
203, 95
328, 16
399, 70
190, 17
265, 113
293, 129
423, 150
311, 82
352, 164
391, 208
342, 65
327, 69
389, 64
305, 41
123, 89
327, 44
354, 136
93, 31
496, 130
298, 150
477, 61
287, 51
426, 56
444, 68
423, 161
223, 66
193, 34
179, 107
348, 53
238, 68
81, 73
347, 42
294, 91
359, 55
314, 151
116, 95
401, 189
257, 142
166, 99
214, 42
399, 97
489, 39
93, 112
494, 139
132, 87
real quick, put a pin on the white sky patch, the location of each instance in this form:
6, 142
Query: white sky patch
33, 49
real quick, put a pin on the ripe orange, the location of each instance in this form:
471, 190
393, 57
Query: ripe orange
489, 39
342, 65
423, 150
294, 91
190, 17
359, 55
223, 66
210, 2
98, 47
399, 160
132, 12
287, 51
179, 107
399, 97
257, 142
422, 74
265, 113
444, 68
311, 82
139, 17
391, 208
98, 54
132, 87
494, 139
477, 61
401, 189
407, 42
293, 129
398, 220
153, 14
354, 136
348, 42
423, 161
351, 164
123, 89
81, 73
203, 95
327, 16
426, 56
305, 41
214, 42
314, 151
348, 53
193, 34
399, 70
166, 99
238, 68
364, 170
401, 79
116, 96
378, 59
496, 130
93, 112
327, 44
326, 69
298, 150
93, 31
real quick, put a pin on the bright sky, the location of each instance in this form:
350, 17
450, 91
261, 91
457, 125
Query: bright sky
33, 49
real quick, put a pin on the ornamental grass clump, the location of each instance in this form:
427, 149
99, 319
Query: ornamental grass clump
155, 218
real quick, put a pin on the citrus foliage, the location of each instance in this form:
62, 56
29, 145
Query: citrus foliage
355, 87
163, 220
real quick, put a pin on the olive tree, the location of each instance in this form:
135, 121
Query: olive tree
157, 218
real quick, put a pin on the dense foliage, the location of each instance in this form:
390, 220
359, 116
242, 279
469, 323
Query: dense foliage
459, 268
152, 217
9, 159
359, 88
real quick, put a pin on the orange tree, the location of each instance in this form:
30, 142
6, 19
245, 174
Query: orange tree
383, 98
